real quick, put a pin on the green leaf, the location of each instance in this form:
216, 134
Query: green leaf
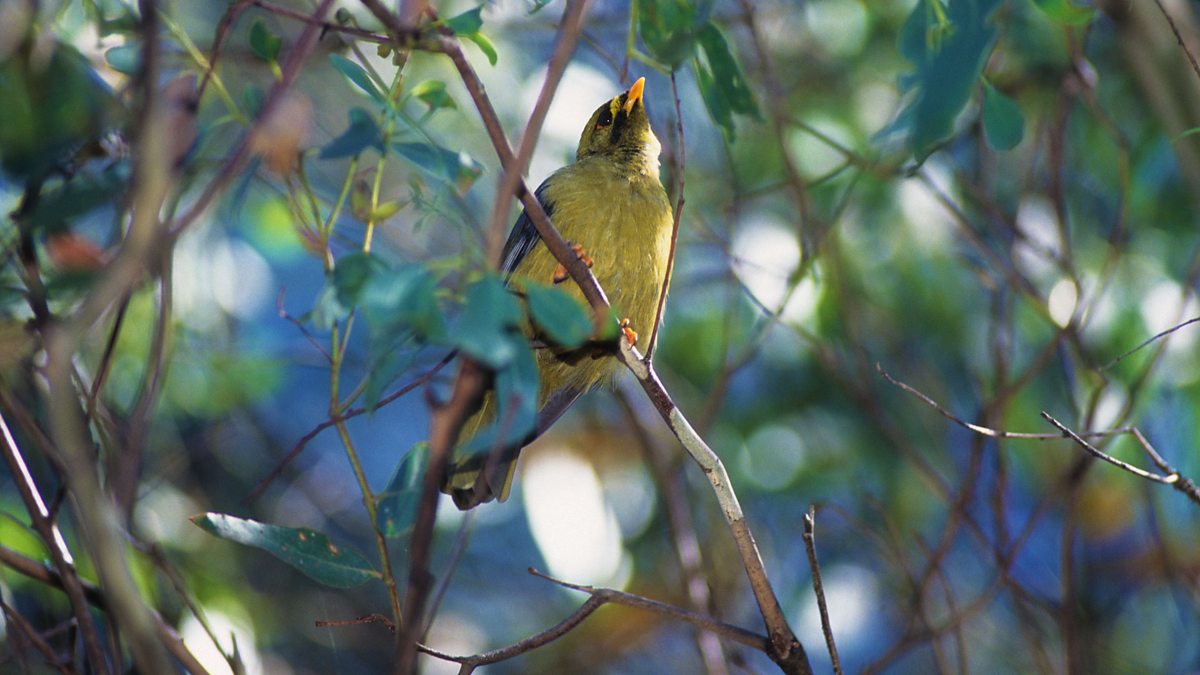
125, 59
433, 94
307, 550
357, 75
1064, 12
263, 42
948, 60
53, 102
402, 299
360, 135
669, 28
397, 506
517, 388
485, 45
490, 317
1003, 123
253, 98
456, 168
468, 22
560, 317
351, 274
78, 196
722, 84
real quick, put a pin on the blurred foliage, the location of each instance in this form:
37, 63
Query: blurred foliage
992, 200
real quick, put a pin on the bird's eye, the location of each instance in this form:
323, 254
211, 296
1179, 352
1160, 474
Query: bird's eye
606, 119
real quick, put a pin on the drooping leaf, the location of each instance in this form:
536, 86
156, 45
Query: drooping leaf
1003, 123
357, 75
1065, 12
948, 61
669, 28
264, 43
722, 84
360, 135
456, 168
560, 317
489, 319
309, 551
467, 25
485, 45
397, 506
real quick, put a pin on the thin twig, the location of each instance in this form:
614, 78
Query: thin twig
810, 525
680, 167
1148, 341
1173, 477
597, 598
564, 46
333, 421
1179, 37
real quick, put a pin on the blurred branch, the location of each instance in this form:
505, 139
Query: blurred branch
786, 650
810, 547
38, 572
564, 46
60, 555
599, 597
1146, 342
26, 630
675, 503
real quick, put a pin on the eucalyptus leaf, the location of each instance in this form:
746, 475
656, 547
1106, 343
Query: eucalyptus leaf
456, 168
489, 319
948, 63
396, 508
669, 28
358, 76
1003, 123
564, 321
309, 551
362, 133
79, 195
722, 84
264, 43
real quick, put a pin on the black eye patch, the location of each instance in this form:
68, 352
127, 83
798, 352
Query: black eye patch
605, 119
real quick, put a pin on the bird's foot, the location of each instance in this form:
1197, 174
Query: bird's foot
630, 334
560, 270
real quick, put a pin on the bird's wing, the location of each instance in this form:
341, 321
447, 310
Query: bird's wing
524, 235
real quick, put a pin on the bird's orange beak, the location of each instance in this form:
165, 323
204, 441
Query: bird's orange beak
635, 94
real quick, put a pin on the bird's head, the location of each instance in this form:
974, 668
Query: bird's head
620, 130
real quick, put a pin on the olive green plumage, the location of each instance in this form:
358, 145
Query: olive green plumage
610, 202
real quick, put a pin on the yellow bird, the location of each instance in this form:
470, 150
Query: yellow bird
611, 205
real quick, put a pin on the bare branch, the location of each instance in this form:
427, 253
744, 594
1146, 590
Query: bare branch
1173, 478
810, 526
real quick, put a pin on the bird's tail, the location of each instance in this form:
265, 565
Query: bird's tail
476, 479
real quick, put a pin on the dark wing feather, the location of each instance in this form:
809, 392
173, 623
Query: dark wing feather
524, 235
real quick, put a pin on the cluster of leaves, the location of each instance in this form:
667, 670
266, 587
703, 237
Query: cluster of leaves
949, 46
675, 31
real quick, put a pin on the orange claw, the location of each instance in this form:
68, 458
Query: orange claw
630, 334
560, 271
